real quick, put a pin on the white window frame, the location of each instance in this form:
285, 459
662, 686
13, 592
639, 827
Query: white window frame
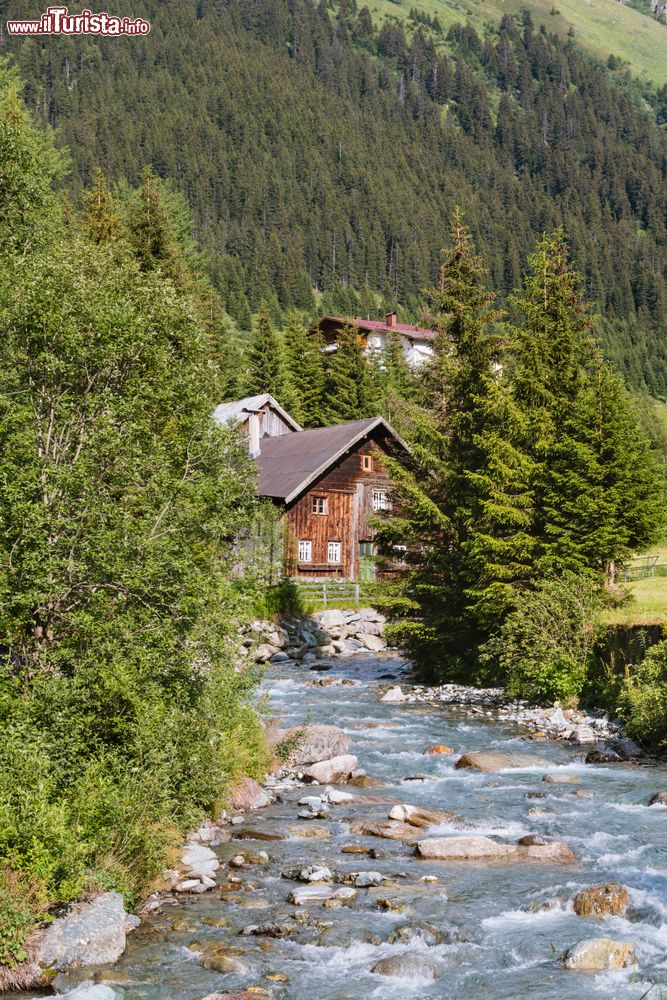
380, 500
305, 550
316, 502
335, 553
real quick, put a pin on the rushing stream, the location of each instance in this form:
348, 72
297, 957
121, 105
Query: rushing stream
495, 930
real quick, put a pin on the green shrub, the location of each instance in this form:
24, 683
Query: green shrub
643, 699
544, 648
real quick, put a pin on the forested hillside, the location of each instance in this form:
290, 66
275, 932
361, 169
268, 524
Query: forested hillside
323, 153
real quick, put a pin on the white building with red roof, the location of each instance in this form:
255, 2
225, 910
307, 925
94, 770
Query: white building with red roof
417, 342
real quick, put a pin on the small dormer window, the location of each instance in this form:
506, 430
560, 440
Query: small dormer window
367, 463
320, 505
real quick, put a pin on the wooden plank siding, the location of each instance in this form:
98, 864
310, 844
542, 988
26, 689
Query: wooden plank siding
348, 492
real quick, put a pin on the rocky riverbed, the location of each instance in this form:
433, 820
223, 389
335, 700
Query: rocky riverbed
425, 843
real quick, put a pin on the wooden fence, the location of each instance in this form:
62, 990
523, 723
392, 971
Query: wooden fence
325, 592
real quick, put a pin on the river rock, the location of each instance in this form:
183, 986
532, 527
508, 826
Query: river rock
394, 695
310, 894
248, 794
561, 778
659, 799
314, 743
438, 748
331, 619
337, 797
331, 771
465, 848
489, 761
407, 966
264, 652
221, 958
603, 755
364, 880
90, 934
387, 829
598, 954
89, 992
373, 642
608, 898
419, 817
553, 851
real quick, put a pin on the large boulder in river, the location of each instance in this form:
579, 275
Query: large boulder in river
388, 829
599, 954
407, 966
490, 760
551, 851
606, 899
419, 817
659, 799
248, 794
90, 934
328, 772
464, 848
314, 743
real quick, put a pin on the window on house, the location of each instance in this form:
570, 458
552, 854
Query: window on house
366, 550
334, 552
381, 500
400, 553
305, 551
320, 505
367, 463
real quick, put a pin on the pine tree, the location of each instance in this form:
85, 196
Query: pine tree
267, 370
596, 488
153, 233
440, 497
349, 392
305, 367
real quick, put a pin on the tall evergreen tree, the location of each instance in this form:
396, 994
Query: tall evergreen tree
595, 485
305, 367
349, 391
440, 495
267, 369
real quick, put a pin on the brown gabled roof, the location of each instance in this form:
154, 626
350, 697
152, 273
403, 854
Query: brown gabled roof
372, 325
289, 464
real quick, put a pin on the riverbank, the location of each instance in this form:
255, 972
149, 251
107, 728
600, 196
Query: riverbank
313, 891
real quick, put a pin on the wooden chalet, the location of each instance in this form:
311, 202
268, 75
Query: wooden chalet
417, 342
329, 481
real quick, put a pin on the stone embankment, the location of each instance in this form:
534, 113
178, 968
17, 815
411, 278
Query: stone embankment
312, 638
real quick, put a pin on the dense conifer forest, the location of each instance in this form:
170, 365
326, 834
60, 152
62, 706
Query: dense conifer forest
322, 154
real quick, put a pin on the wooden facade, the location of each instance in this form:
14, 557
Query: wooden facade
329, 482
349, 491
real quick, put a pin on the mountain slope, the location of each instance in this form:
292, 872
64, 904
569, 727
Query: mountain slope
320, 153
605, 27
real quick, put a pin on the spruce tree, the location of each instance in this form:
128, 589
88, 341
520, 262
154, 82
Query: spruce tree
442, 492
349, 391
596, 489
267, 370
305, 367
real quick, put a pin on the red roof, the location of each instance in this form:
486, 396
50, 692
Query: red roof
371, 325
